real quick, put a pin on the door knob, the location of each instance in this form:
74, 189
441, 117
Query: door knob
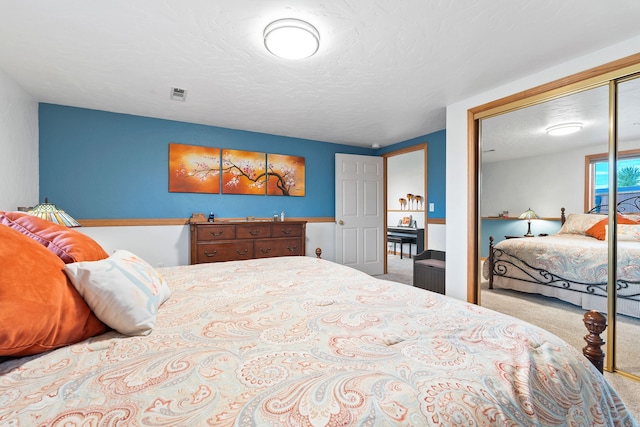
341, 222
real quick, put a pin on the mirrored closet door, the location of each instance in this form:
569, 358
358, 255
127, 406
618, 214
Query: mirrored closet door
526, 175
627, 323
533, 171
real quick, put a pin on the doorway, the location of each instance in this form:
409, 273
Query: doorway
406, 200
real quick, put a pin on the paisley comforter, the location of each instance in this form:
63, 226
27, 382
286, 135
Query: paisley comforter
578, 267
298, 341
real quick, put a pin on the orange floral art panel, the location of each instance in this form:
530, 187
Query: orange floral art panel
243, 172
194, 169
285, 175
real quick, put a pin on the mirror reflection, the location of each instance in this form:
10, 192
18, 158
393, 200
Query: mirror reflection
628, 235
549, 267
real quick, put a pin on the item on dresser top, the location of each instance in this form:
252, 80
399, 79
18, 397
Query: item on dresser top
197, 217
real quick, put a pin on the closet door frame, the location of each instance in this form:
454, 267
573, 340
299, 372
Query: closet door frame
607, 74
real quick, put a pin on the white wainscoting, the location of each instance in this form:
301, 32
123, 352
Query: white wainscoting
168, 245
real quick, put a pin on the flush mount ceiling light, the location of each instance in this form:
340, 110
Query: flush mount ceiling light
564, 128
291, 39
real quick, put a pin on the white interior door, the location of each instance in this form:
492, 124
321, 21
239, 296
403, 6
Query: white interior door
359, 212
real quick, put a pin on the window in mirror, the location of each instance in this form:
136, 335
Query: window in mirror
628, 181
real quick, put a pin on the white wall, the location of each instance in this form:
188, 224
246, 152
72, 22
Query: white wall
321, 235
457, 189
168, 246
405, 175
160, 246
18, 145
437, 237
558, 182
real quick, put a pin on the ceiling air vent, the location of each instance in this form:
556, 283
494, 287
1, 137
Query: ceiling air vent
178, 94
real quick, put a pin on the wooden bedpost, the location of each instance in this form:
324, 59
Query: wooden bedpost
318, 253
595, 323
563, 218
490, 261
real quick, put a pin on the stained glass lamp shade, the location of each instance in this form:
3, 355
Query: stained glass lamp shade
50, 212
529, 215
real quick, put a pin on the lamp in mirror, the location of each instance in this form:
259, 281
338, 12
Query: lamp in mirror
529, 215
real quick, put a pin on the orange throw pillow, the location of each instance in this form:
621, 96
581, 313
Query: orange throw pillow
39, 308
70, 245
598, 231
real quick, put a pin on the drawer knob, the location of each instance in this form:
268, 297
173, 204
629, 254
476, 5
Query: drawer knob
287, 231
254, 232
214, 234
210, 254
292, 249
265, 251
242, 252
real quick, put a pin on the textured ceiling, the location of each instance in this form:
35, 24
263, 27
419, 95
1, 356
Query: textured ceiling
522, 133
384, 72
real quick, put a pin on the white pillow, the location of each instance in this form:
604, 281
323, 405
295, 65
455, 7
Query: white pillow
625, 232
579, 223
123, 291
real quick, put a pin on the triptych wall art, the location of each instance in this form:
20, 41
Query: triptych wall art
197, 169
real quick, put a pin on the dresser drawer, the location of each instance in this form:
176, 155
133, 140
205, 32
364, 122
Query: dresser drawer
286, 230
207, 233
238, 240
278, 247
253, 231
224, 251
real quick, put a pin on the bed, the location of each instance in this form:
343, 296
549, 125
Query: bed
289, 341
572, 265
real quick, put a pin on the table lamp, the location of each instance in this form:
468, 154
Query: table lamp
529, 215
50, 212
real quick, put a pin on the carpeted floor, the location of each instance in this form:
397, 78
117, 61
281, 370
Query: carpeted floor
558, 317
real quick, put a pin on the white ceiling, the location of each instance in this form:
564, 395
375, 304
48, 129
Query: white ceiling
522, 133
384, 72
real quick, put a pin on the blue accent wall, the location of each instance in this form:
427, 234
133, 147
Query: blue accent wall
436, 167
499, 228
101, 165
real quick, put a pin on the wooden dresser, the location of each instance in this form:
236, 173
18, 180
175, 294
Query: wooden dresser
229, 241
